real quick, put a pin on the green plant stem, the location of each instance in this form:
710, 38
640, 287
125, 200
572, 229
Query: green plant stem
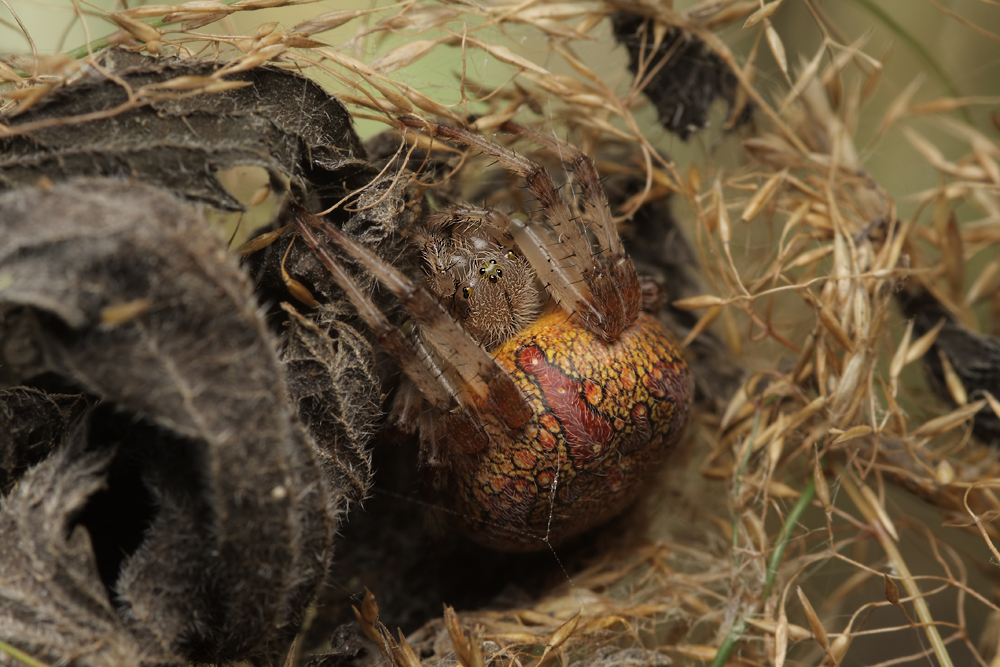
20, 655
735, 632
873, 8
791, 521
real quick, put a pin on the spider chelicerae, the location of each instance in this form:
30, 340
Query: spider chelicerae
546, 394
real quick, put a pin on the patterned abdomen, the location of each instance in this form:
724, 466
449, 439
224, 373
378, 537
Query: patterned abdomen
604, 417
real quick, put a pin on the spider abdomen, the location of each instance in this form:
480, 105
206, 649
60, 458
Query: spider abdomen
603, 417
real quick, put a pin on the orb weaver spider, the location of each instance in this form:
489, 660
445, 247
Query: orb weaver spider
546, 396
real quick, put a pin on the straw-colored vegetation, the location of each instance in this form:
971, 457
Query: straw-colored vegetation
835, 511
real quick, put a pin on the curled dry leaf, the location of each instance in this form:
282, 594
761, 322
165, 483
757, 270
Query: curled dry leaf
276, 120
54, 603
32, 424
215, 526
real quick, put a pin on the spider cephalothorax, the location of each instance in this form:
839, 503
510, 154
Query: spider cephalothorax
533, 429
490, 288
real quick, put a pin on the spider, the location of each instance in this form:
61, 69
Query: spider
543, 394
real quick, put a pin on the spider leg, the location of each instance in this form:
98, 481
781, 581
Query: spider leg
478, 373
560, 253
582, 165
601, 289
614, 285
433, 381
493, 222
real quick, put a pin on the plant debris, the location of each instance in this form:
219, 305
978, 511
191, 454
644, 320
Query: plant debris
240, 523
960, 363
679, 74
131, 118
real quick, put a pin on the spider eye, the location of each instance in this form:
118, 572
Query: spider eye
491, 270
467, 292
510, 254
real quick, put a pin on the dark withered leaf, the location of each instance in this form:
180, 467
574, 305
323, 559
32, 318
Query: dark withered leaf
330, 366
684, 87
140, 305
283, 122
32, 424
974, 356
346, 645
332, 381
22, 354
54, 605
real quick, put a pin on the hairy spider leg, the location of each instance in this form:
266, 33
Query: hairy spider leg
495, 223
614, 285
480, 374
436, 383
560, 252
582, 165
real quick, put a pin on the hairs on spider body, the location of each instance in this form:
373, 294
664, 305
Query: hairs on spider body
533, 429
487, 286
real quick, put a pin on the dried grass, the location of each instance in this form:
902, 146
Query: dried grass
830, 438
